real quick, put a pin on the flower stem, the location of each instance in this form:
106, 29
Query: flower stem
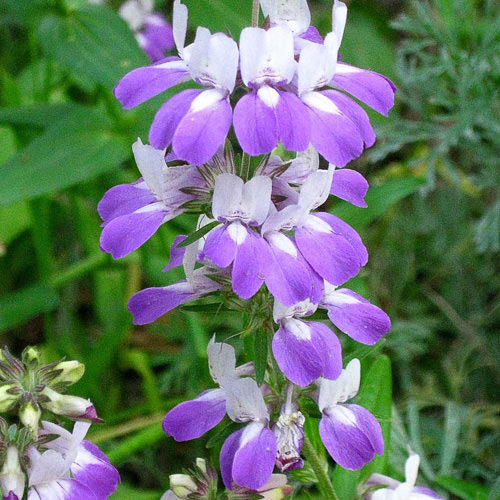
255, 13
324, 483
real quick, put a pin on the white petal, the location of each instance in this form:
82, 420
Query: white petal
320, 102
339, 18
179, 25
213, 60
332, 392
305, 163
206, 99
266, 57
135, 12
221, 360
256, 198
151, 164
411, 469
244, 400
294, 13
303, 308
227, 197
317, 65
316, 189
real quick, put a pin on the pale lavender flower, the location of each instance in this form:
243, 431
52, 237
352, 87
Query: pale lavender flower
350, 433
70, 468
12, 480
395, 490
153, 33
305, 350
132, 213
194, 121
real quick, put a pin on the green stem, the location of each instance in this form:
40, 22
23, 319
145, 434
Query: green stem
255, 13
245, 166
324, 483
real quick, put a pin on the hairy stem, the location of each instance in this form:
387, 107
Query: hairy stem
255, 13
324, 484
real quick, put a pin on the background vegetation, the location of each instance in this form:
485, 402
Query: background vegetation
432, 229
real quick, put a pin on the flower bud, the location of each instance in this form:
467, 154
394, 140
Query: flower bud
29, 414
289, 432
275, 489
12, 479
9, 395
70, 372
182, 485
31, 357
69, 406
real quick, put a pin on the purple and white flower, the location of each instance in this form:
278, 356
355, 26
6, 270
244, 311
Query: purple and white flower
395, 490
195, 121
70, 468
354, 315
153, 33
305, 350
132, 213
350, 433
12, 479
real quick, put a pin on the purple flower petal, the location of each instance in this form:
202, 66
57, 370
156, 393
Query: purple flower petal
176, 253
351, 434
355, 316
219, 247
329, 254
293, 122
254, 460
126, 233
191, 419
355, 113
372, 88
122, 200
169, 116
226, 458
151, 303
333, 134
255, 125
351, 186
93, 469
200, 133
287, 278
345, 230
247, 275
157, 37
427, 492
305, 351
69, 489
144, 83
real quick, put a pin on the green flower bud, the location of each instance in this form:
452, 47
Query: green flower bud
29, 414
9, 396
68, 406
64, 373
11, 476
182, 485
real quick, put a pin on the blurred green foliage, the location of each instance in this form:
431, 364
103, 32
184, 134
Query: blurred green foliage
432, 230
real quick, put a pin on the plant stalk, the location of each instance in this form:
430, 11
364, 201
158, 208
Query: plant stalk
324, 484
255, 14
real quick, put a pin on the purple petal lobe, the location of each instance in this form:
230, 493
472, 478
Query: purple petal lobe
351, 186
191, 419
355, 316
293, 122
176, 253
372, 88
329, 254
254, 461
128, 232
200, 133
220, 247
151, 303
352, 435
255, 125
169, 116
226, 458
122, 200
144, 83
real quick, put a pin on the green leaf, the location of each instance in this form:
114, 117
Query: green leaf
453, 420
93, 43
71, 151
38, 115
261, 340
197, 234
376, 396
125, 492
379, 200
18, 307
463, 489
224, 16
7, 143
14, 219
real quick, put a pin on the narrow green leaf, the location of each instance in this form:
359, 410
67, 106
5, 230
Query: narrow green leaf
198, 234
450, 437
38, 115
71, 151
376, 396
18, 307
7, 143
93, 43
221, 436
261, 340
14, 219
379, 200
463, 489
